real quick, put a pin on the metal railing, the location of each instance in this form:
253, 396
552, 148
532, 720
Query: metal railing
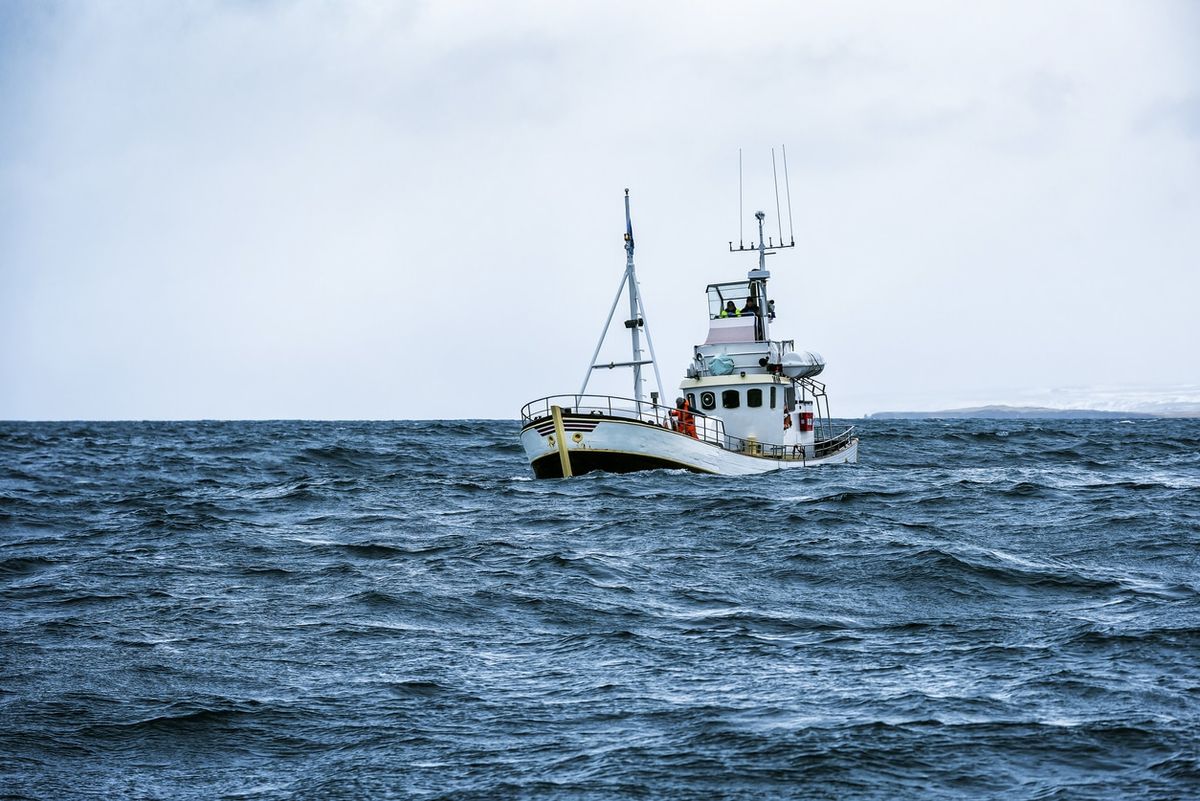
834, 444
708, 429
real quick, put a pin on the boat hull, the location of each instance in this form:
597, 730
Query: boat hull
625, 446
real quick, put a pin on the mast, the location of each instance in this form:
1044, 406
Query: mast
759, 278
636, 322
762, 245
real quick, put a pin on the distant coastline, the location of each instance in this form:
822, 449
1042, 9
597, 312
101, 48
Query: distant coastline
1033, 413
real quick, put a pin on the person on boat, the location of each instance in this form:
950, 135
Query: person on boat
683, 418
730, 310
751, 310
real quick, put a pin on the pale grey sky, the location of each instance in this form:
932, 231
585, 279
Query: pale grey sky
378, 210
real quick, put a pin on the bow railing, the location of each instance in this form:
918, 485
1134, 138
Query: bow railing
708, 429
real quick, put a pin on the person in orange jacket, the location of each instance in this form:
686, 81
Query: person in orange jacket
683, 418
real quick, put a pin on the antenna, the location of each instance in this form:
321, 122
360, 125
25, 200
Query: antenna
741, 238
764, 243
788, 185
778, 216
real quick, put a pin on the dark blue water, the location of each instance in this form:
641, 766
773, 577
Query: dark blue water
989, 609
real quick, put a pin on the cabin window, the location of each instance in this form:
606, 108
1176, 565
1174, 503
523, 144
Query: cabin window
789, 398
691, 400
708, 400
772, 397
731, 399
754, 398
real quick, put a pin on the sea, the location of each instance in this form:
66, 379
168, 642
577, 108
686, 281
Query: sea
979, 609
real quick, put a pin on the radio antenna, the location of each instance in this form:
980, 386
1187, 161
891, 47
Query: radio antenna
775, 175
764, 243
788, 186
741, 238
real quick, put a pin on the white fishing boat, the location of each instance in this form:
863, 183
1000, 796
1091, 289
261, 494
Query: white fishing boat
748, 403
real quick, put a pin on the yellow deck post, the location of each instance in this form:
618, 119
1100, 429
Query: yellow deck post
560, 437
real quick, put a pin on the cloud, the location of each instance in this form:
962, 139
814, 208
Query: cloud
376, 210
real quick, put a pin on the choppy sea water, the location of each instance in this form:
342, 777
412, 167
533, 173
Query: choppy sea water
980, 609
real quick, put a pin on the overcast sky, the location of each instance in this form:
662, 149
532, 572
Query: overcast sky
387, 210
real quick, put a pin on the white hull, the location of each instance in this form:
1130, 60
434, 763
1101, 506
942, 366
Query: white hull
617, 445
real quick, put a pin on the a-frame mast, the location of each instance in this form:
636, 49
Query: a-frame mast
636, 322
